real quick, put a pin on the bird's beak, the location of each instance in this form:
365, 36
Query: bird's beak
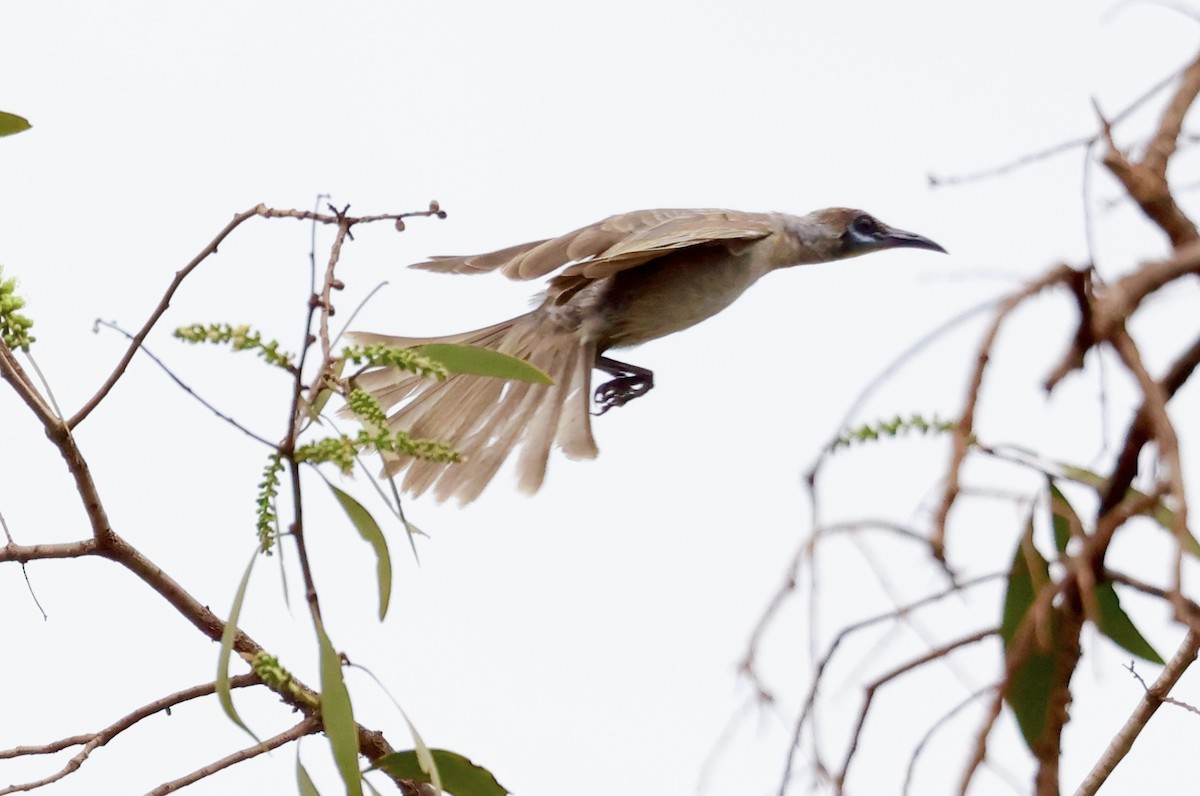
899, 239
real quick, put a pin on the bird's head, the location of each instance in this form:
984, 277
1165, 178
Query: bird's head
848, 233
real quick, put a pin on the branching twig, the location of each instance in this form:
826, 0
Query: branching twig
965, 426
882, 680
1122, 742
308, 726
93, 741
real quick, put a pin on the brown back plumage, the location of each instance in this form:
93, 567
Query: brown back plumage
614, 244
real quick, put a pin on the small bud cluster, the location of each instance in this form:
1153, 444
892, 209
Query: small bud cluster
241, 338
870, 432
380, 355
278, 679
342, 450
14, 327
268, 491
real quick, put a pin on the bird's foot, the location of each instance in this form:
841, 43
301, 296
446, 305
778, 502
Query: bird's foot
621, 391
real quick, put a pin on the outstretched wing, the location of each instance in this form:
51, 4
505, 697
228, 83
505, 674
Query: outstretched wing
615, 244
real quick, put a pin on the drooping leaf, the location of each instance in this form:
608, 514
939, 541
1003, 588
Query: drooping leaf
1027, 690
460, 777
338, 715
482, 362
224, 695
1028, 573
1117, 625
369, 530
1065, 519
11, 123
304, 782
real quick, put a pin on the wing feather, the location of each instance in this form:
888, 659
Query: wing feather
615, 244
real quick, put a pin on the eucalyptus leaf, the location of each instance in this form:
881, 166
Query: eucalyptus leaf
369, 530
11, 123
460, 777
224, 695
338, 715
1117, 625
478, 361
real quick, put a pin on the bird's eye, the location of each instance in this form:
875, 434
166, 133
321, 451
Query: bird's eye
865, 225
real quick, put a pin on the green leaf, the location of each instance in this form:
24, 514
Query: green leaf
224, 696
369, 530
338, 715
303, 781
460, 777
10, 123
482, 362
1066, 521
1027, 690
1117, 625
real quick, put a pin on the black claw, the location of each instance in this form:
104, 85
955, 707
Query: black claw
620, 391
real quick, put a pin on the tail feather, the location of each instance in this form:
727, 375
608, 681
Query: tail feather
488, 419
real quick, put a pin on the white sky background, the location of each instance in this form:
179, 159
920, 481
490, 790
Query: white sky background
584, 641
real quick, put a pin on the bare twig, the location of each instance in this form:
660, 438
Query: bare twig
183, 385
1146, 180
163, 304
1122, 742
932, 655
93, 741
937, 725
965, 426
847, 631
24, 572
308, 726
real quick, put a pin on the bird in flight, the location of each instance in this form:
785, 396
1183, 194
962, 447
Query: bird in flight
620, 282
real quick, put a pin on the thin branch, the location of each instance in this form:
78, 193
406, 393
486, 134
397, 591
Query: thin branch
93, 741
1138, 433
1163, 430
205, 253
1146, 180
937, 725
873, 687
24, 572
843, 634
965, 427
183, 386
1056, 149
308, 726
1122, 742
163, 304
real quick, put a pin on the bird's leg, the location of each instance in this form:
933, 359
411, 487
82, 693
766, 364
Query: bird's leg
630, 382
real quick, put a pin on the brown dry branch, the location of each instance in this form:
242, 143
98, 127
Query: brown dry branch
1122, 742
106, 543
979, 751
938, 653
818, 674
1146, 180
1112, 306
308, 726
1163, 431
1139, 430
965, 426
94, 740
1082, 142
937, 725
